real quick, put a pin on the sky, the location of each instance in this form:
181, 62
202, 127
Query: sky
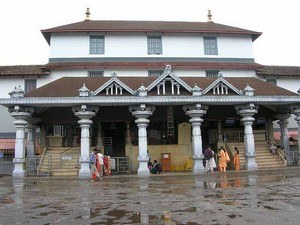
21, 22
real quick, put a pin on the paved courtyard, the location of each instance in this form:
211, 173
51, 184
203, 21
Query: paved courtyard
261, 197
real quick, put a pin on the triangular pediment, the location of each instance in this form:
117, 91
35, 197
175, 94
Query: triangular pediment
169, 84
113, 87
221, 87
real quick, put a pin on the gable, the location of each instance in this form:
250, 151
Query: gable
114, 86
221, 87
169, 84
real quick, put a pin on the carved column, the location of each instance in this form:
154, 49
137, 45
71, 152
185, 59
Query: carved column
284, 137
128, 134
247, 112
31, 147
220, 137
142, 112
85, 113
195, 112
20, 123
99, 138
296, 112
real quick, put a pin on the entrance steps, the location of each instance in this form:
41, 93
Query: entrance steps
264, 158
61, 161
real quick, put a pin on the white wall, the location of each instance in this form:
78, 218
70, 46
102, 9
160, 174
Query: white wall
292, 84
135, 45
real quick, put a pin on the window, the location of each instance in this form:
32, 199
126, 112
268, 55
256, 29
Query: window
272, 81
155, 73
210, 46
58, 130
154, 45
212, 73
30, 84
95, 73
96, 44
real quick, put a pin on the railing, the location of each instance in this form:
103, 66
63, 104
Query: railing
33, 166
281, 154
119, 165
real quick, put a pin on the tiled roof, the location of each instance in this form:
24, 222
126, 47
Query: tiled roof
25, 70
7, 144
148, 26
175, 64
279, 71
68, 86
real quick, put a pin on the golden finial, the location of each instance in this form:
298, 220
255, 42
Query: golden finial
209, 16
87, 14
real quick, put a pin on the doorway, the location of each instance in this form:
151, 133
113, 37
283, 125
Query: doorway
114, 138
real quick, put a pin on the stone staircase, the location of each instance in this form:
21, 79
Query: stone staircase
264, 158
61, 161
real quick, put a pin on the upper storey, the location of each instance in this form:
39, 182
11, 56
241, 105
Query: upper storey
103, 40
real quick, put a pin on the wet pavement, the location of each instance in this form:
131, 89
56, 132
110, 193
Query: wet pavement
260, 197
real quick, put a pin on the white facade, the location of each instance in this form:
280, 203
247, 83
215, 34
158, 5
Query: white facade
135, 45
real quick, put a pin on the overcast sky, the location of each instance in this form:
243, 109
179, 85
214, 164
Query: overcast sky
22, 43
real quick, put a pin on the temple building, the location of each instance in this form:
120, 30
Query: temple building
137, 87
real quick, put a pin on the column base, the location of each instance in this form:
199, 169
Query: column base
84, 171
198, 165
143, 170
250, 163
18, 171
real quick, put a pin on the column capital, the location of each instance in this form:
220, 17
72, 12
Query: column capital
141, 111
196, 110
296, 111
85, 111
246, 109
283, 118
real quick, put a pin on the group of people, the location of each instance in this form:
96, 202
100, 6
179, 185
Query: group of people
154, 167
100, 165
223, 159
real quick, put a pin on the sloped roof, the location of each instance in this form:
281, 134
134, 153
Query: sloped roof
148, 26
278, 71
24, 70
68, 86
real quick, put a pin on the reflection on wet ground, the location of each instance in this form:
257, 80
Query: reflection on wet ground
221, 198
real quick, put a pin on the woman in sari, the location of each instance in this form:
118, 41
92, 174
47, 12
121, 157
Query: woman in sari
107, 165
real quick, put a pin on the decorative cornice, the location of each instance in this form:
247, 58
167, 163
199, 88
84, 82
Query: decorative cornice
157, 100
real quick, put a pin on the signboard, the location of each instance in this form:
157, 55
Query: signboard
67, 158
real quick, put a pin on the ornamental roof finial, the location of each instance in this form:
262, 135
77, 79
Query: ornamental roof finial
209, 17
87, 14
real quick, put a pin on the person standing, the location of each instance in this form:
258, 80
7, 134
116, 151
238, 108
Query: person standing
107, 167
93, 166
236, 159
100, 163
222, 159
210, 160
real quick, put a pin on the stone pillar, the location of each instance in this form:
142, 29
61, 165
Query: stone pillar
220, 137
247, 112
85, 113
99, 138
195, 112
270, 130
128, 134
31, 147
284, 138
19, 160
296, 112
142, 112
